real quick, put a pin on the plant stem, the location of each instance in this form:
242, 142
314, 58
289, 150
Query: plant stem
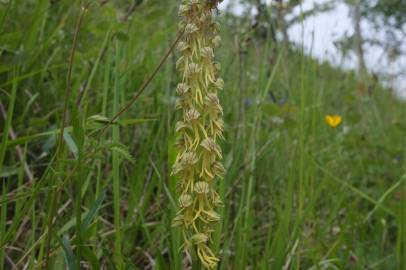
116, 165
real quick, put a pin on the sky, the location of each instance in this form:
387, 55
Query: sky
318, 34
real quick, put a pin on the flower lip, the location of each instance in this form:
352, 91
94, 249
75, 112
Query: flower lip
199, 238
212, 99
202, 187
207, 52
185, 200
180, 63
193, 69
218, 169
178, 220
183, 10
211, 146
182, 46
182, 89
216, 199
179, 126
219, 84
212, 215
189, 158
192, 115
191, 28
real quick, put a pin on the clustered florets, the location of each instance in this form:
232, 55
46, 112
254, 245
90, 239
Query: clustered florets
198, 162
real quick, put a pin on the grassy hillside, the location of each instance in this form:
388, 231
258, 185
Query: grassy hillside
298, 194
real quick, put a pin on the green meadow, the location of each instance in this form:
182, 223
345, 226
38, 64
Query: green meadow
87, 126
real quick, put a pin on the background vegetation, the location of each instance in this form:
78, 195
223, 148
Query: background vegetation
298, 194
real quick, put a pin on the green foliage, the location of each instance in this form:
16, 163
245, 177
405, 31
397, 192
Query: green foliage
392, 12
387, 17
300, 195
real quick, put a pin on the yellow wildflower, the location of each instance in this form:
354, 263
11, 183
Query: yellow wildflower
333, 120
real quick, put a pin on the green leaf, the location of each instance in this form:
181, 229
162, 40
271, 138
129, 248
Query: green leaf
28, 138
98, 119
7, 171
93, 211
10, 41
67, 252
123, 152
37, 122
68, 225
91, 257
122, 36
78, 130
71, 143
59, 262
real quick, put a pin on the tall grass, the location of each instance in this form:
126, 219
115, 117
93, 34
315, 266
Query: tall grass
300, 194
